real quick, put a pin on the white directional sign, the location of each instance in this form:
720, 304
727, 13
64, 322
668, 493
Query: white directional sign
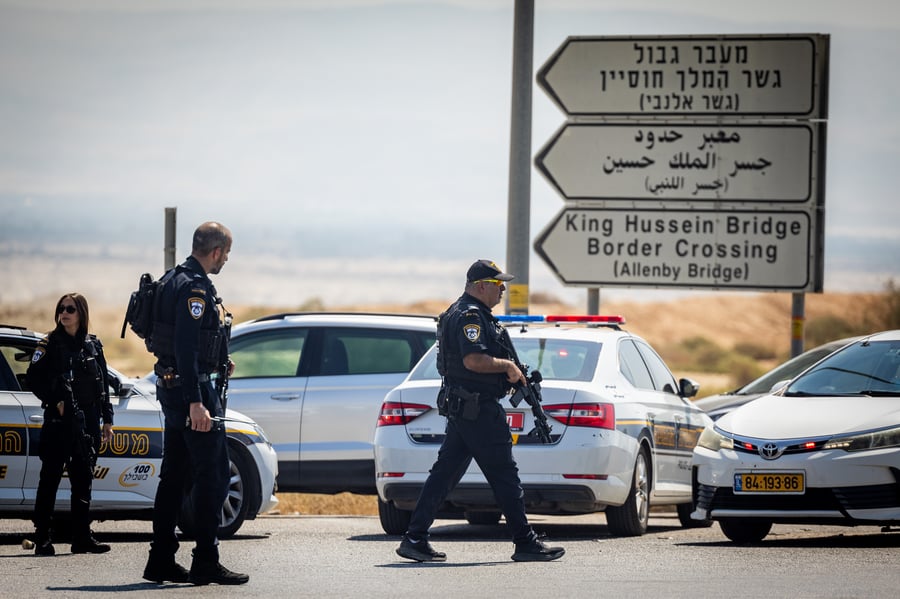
733, 249
688, 161
675, 160
689, 75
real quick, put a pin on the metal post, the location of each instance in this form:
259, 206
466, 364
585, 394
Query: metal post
518, 235
593, 300
169, 249
798, 315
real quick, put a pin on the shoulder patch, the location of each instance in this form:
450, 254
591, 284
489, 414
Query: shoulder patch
472, 332
196, 305
37, 355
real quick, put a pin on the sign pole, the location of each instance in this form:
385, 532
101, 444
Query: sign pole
169, 246
518, 235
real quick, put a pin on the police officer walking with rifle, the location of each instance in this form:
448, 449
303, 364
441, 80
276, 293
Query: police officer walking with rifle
478, 370
189, 339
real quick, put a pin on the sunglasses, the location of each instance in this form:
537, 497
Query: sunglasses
496, 282
69, 309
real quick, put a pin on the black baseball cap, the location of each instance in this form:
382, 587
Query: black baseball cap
486, 269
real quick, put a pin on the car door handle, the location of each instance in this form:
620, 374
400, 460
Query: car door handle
39, 418
286, 397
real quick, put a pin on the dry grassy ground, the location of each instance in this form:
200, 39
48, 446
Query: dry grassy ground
727, 319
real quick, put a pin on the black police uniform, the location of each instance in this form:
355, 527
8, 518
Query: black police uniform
189, 342
72, 370
474, 430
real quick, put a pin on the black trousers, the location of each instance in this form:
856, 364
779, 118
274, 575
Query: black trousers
195, 459
58, 453
486, 440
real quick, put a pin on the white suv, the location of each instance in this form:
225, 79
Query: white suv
315, 382
623, 430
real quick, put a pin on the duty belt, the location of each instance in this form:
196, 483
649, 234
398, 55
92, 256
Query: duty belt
168, 378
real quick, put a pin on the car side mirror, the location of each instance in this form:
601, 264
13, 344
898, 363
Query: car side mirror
124, 390
777, 386
688, 387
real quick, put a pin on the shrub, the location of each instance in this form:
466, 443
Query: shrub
757, 352
890, 311
828, 328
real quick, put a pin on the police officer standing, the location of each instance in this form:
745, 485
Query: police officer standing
477, 372
190, 343
68, 374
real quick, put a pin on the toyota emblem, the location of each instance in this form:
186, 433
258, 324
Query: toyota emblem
770, 451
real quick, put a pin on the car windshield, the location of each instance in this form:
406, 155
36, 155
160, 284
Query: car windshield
864, 368
556, 359
786, 371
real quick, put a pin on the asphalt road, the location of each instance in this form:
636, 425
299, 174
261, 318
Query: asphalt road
349, 556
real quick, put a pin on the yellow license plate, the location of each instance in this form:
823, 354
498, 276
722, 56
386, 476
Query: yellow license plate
769, 482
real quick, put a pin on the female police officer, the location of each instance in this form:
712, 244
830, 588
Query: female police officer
68, 374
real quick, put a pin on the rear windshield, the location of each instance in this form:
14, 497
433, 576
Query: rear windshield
556, 359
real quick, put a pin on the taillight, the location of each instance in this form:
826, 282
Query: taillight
396, 412
591, 415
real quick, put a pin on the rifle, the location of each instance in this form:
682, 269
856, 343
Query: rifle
530, 392
84, 442
224, 362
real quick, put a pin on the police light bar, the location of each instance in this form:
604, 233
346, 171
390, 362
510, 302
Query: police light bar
574, 318
586, 318
520, 318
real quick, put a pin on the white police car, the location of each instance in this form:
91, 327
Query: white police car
127, 470
623, 430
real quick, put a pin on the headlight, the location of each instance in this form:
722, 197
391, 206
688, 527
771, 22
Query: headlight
714, 440
888, 437
261, 433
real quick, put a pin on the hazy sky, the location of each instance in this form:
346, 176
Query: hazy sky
344, 140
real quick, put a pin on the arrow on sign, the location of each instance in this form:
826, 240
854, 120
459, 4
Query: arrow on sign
737, 249
688, 75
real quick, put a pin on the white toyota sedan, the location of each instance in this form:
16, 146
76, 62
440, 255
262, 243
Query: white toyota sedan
825, 449
623, 430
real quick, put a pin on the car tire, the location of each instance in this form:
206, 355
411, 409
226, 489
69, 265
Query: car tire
483, 518
394, 521
745, 530
684, 517
630, 519
243, 485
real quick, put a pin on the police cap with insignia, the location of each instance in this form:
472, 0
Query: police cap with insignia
486, 269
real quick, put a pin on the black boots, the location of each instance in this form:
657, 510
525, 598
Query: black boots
420, 551
206, 572
534, 550
89, 544
42, 543
160, 571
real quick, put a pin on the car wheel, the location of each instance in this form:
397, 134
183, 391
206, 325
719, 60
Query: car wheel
630, 518
684, 516
394, 521
243, 484
483, 518
745, 530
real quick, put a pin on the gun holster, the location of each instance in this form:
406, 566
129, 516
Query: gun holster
443, 401
463, 404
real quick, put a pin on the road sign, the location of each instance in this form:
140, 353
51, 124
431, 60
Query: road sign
735, 249
676, 160
689, 75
